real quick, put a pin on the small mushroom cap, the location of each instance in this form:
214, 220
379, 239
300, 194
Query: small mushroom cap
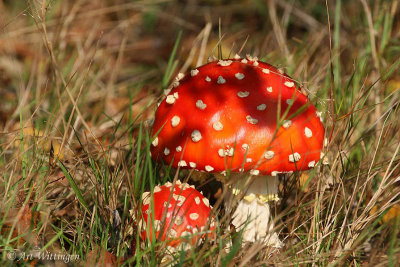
225, 116
186, 213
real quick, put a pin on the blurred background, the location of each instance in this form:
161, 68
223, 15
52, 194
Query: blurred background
110, 47
79, 80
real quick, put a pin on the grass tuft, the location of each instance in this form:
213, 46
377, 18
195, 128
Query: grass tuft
79, 83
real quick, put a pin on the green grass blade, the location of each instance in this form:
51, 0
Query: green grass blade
74, 186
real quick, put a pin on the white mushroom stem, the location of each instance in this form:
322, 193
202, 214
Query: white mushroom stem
253, 213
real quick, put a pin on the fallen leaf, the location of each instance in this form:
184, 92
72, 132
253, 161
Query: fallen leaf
393, 85
390, 216
25, 221
100, 257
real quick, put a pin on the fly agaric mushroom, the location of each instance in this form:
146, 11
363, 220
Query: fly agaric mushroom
180, 211
240, 116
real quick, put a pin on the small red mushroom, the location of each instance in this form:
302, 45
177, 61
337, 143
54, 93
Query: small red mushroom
242, 116
186, 212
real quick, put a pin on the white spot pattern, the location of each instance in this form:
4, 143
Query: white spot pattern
175, 121
182, 163
251, 120
239, 76
251, 58
179, 198
157, 189
209, 168
319, 115
221, 80
194, 216
289, 84
218, 126
206, 202
243, 94
286, 123
170, 99
194, 72
155, 141
192, 164
157, 225
196, 136
269, 154
261, 107
308, 132
200, 104
294, 157
225, 152
229, 151
178, 220
254, 172
224, 63
172, 233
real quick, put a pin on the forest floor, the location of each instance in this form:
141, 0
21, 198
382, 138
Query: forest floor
79, 81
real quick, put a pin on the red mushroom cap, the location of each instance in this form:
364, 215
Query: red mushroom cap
187, 213
224, 116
